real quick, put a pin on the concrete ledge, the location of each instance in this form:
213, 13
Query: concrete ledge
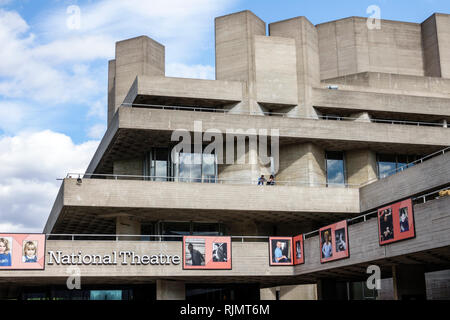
425, 176
371, 101
182, 88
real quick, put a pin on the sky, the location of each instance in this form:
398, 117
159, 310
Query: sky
53, 76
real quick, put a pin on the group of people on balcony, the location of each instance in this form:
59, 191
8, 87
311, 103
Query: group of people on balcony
262, 180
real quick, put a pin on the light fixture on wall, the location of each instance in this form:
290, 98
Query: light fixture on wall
79, 181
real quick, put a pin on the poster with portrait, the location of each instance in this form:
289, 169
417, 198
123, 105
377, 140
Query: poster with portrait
206, 252
280, 251
20, 251
333, 242
299, 257
396, 222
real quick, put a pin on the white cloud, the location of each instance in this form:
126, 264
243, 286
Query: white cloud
97, 131
29, 166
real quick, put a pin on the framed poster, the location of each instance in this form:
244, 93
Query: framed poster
396, 222
207, 252
333, 242
280, 251
299, 257
22, 251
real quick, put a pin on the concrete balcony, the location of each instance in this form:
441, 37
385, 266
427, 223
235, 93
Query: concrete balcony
430, 247
195, 92
94, 201
424, 107
131, 130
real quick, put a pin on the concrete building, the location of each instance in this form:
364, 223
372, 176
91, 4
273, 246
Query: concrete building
346, 111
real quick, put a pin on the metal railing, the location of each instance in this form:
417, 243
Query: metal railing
159, 238
251, 181
205, 180
374, 213
407, 165
146, 237
283, 114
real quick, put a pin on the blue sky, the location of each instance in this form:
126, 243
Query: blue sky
53, 77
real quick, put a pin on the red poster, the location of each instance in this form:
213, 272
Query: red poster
20, 251
299, 257
396, 222
333, 240
280, 251
201, 252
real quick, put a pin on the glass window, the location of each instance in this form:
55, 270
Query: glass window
387, 165
176, 229
106, 295
206, 229
196, 167
335, 168
157, 165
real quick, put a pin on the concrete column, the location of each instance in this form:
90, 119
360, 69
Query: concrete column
245, 166
134, 57
436, 45
299, 292
361, 166
111, 89
127, 225
303, 163
235, 53
268, 293
307, 51
170, 290
129, 167
361, 116
409, 282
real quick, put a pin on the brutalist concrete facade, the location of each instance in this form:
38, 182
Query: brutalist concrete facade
334, 87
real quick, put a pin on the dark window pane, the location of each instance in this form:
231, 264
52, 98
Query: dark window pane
387, 165
335, 168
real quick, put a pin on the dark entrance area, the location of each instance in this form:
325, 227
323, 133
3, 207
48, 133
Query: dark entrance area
223, 292
88, 292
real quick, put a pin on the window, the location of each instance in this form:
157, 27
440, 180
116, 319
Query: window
190, 228
388, 164
157, 165
196, 167
335, 167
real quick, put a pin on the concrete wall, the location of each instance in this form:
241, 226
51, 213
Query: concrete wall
347, 46
276, 71
129, 167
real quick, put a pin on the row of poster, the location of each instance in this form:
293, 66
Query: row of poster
395, 223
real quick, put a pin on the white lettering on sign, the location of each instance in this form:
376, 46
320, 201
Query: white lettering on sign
122, 257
